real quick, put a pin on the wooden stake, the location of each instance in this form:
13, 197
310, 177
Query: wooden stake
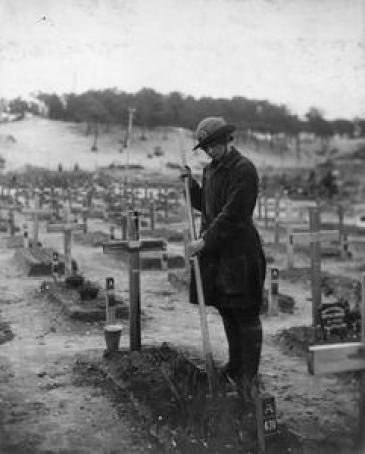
315, 247
290, 248
11, 222
277, 219
152, 215
110, 316
134, 284
273, 293
265, 419
266, 210
55, 266
25, 236
166, 204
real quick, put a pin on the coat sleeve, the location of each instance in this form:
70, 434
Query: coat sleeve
236, 212
196, 194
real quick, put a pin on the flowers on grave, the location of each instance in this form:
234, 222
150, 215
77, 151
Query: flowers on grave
88, 290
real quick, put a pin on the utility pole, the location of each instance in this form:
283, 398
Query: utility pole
131, 112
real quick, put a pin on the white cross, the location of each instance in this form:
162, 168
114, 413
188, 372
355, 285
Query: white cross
35, 212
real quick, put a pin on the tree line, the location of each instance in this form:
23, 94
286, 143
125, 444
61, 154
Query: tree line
110, 106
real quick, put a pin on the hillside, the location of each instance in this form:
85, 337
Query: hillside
46, 143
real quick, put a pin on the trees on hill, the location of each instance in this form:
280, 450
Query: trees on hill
174, 109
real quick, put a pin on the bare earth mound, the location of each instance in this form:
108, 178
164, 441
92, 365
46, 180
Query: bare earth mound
171, 397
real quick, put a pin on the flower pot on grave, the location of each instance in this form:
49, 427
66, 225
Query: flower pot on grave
74, 281
112, 335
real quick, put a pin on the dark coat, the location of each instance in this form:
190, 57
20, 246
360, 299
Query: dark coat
232, 261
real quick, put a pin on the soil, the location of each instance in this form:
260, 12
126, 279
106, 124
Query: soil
319, 412
171, 396
46, 405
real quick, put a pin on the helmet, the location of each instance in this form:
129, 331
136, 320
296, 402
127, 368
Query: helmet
211, 129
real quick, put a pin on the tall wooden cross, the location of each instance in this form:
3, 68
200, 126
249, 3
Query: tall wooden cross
345, 357
66, 228
35, 213
134, 246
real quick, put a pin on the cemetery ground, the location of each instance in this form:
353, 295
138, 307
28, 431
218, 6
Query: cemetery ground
56, 387
58, 392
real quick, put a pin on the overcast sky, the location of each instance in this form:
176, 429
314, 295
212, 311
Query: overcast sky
300, 53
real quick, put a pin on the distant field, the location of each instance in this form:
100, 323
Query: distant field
47, 143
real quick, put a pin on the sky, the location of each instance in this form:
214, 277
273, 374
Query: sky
300, 53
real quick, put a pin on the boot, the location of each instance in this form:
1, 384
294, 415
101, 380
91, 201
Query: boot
250, 351
232, 330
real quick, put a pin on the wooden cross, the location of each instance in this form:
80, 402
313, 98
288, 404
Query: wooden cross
35, 212
66, 228
54, 203
314, 236
343, 239
152, 214
11, 218
344, 357
85, 215
276, 219
134, 246
166, 203
11, 221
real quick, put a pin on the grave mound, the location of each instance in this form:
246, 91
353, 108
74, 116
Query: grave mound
170, 235
86, 310
296, 274
95, 239
170, 396
296, 340
37, 261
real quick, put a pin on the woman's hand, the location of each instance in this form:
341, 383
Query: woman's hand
186, 173
194, 247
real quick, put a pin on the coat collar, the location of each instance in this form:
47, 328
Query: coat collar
228, 161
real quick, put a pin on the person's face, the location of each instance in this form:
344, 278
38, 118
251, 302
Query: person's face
216, 151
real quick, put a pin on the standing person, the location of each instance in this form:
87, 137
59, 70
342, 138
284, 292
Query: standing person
229, 249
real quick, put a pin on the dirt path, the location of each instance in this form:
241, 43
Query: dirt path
44, 407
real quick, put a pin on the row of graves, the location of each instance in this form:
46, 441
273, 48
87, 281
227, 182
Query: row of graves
69, 214
334, 343
132, 216
293, 228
